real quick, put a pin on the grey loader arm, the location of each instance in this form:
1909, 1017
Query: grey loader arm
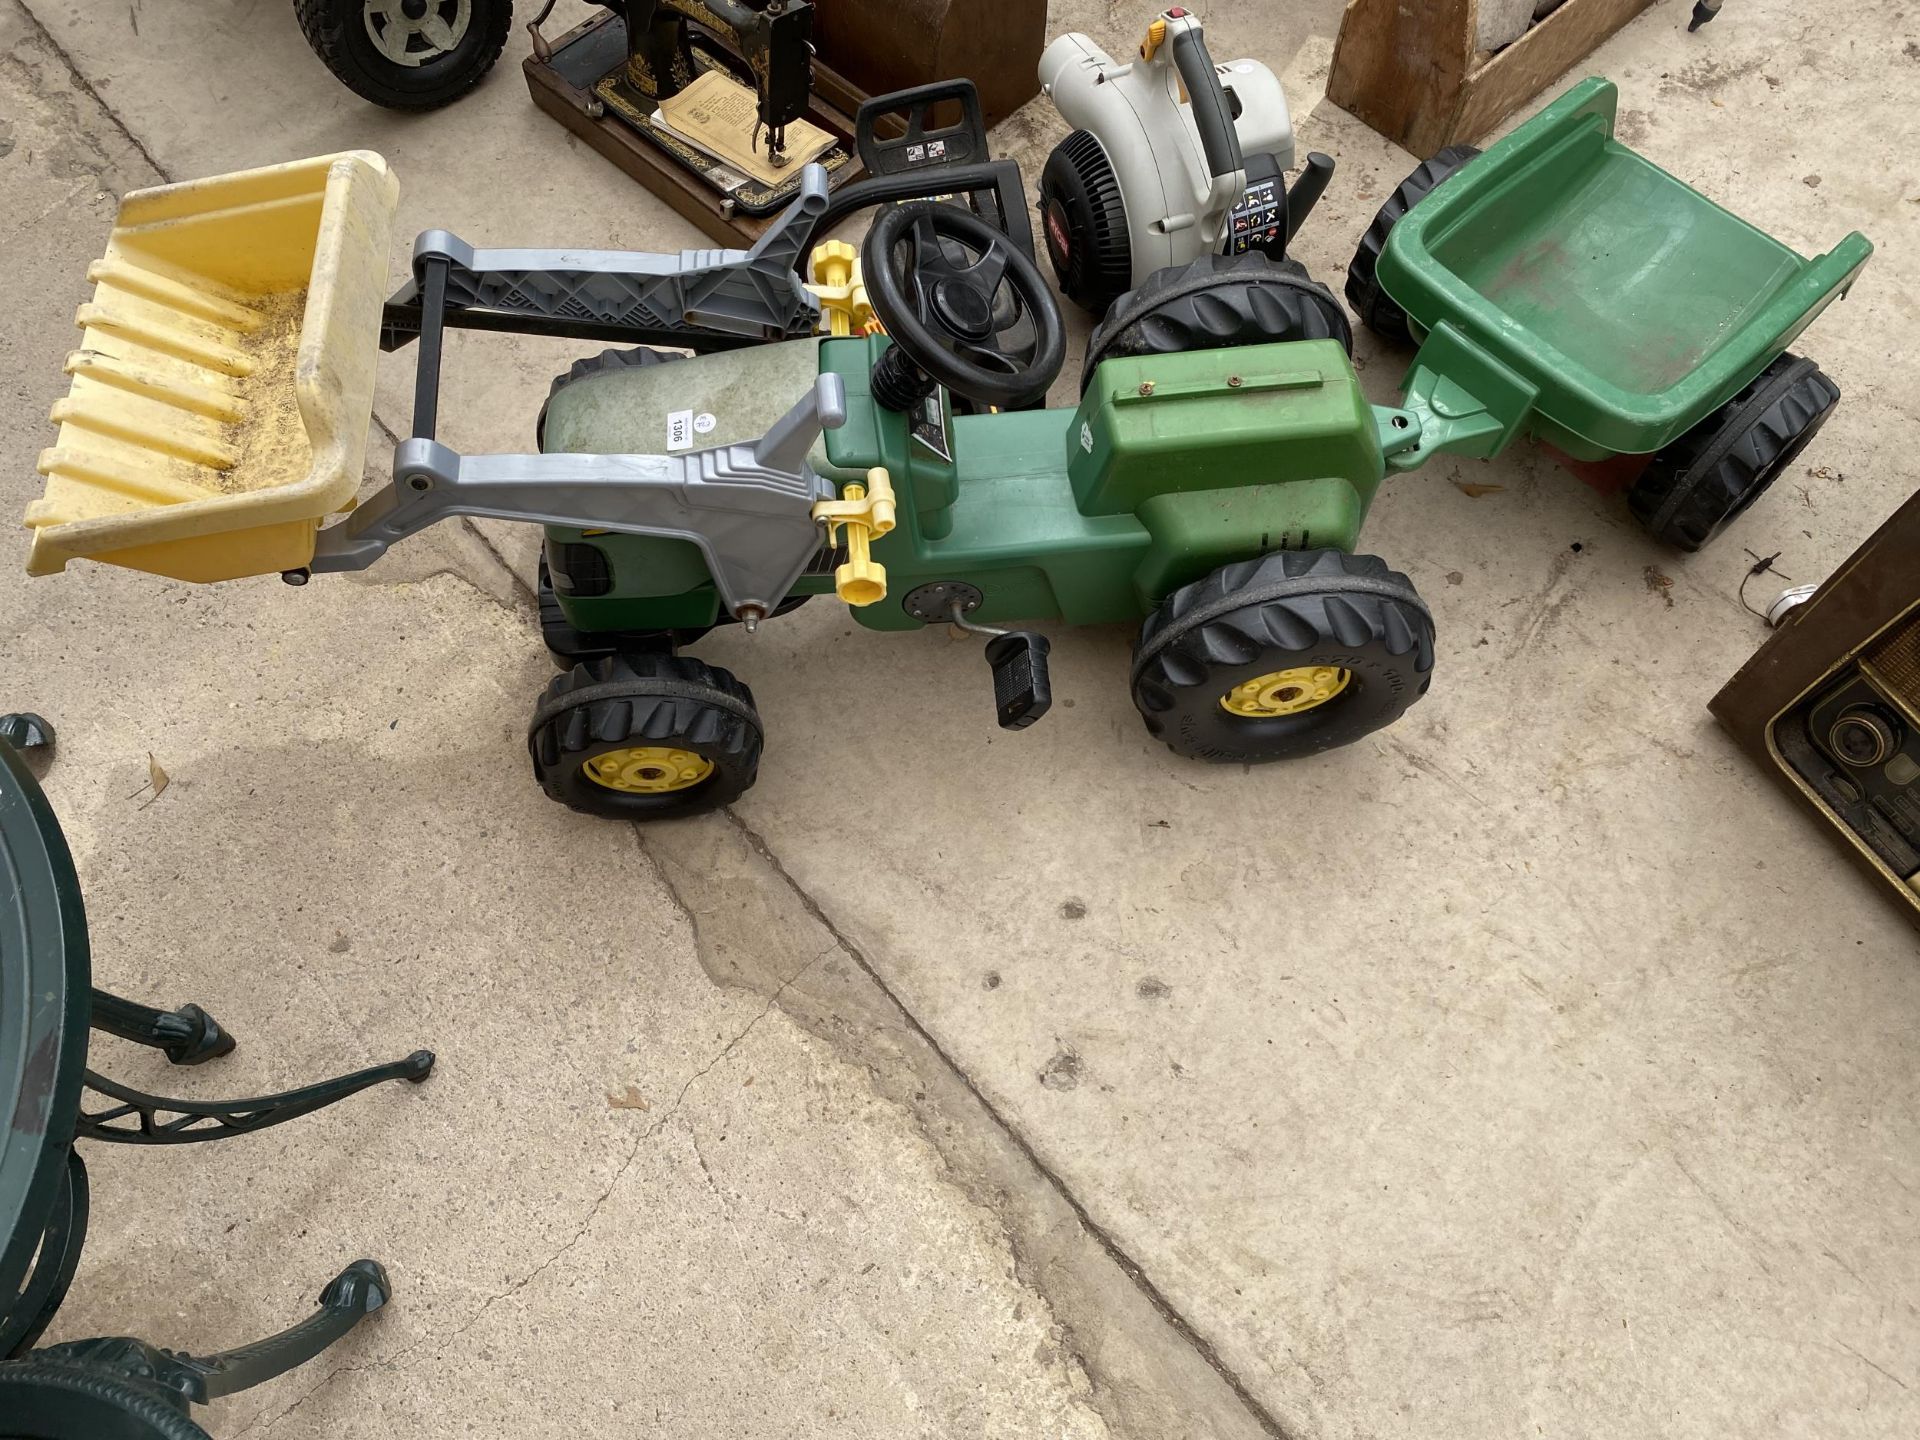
748, 507
756, 293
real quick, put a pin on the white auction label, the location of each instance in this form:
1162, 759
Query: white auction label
704, 422
680, 430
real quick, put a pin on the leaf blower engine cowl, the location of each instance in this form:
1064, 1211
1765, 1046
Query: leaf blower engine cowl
1160, 157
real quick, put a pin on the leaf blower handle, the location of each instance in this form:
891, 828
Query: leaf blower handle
1307, 190
1212, 115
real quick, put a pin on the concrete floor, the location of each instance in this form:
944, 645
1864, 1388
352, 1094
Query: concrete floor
1530, 1068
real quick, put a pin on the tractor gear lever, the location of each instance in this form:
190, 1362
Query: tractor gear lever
1022, 688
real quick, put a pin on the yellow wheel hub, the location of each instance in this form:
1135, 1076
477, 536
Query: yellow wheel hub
647, 769
1285, 692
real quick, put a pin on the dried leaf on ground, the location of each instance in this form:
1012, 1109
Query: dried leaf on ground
1659, 583
157, 781
1473, 490
628, 1099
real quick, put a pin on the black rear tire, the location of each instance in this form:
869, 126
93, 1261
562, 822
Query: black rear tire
1084, 222
338, 32
1214, 302
645, 737
1702, 482
1288, 655
1371, 303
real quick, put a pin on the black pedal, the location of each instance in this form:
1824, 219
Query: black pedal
1022, 693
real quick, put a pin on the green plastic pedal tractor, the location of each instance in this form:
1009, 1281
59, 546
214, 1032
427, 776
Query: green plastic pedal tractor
1216, 494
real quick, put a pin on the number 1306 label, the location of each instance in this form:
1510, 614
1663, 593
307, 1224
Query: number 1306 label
683, 425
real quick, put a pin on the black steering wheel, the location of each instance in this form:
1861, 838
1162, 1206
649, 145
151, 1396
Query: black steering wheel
948, 287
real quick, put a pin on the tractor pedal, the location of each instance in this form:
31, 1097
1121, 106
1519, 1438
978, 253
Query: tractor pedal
1022, 692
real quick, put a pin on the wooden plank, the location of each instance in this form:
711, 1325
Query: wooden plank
1399, 65
1408, 67
880, 46
1533, 62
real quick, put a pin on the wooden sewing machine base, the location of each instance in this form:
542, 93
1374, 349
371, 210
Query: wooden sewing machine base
564, 86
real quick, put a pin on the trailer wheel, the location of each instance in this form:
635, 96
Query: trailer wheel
645, 737
1700, 484
1214, 302
1372, 304
406, 54
1288, 655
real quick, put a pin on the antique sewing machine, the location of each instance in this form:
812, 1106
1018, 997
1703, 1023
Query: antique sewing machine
810, 67
774, 37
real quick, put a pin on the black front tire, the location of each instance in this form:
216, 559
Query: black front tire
1700, 484
1305, 611
644, 711
1371, 303
339, 34
1214, 302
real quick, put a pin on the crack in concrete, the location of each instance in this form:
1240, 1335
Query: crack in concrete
726, 1214
399, 1358
700, 1157
85, 87
521, 588
1169, 1314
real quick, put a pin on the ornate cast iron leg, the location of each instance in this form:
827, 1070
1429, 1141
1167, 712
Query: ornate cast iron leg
352, 1295
182, 1379
136, 1118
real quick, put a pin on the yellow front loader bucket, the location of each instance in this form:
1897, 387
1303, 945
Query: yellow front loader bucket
222, 393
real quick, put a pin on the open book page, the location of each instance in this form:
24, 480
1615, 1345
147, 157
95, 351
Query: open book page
716, 114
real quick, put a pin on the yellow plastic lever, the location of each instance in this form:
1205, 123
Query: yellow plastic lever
1156, 37
833, 274
867, 512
